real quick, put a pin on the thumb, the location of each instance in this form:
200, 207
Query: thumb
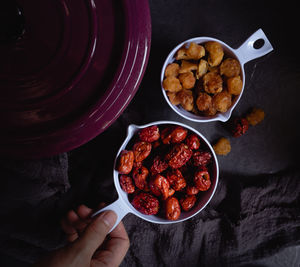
96, 232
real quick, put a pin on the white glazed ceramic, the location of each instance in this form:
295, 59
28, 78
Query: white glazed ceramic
243, 54
122, 206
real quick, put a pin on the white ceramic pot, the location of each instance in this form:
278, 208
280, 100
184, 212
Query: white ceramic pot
122, 205
243, 54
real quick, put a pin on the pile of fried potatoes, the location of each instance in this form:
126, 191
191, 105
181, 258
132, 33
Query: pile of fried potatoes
202, 79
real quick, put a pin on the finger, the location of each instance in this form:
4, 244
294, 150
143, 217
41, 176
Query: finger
82, 220
67, 225
96, 232
71, 236
115, 249
69, 230
72, 217
76, 221
84, 212
119, 232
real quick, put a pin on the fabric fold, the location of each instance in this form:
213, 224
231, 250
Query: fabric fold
247, 219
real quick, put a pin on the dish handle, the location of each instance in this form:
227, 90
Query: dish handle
247, 51
119, 207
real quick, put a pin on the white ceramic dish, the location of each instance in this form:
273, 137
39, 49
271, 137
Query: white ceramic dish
243, 54
122, 205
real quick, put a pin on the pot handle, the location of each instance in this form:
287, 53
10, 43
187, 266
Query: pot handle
119, 207
247, 51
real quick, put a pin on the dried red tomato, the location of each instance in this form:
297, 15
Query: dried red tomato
201, 158
187, 202
149, 134
173, 135
240, 126
202, 179
176, 180
178, 156
166, 136
193, 141
146, 203
139, 176
158, 165
138, 164
192, 190
178, 134
125, 162
173, 210
127, 184
171, 191
141, 150
159, 185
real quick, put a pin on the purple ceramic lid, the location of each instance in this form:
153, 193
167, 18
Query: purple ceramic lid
71, 73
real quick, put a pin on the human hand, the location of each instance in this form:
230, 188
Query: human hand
89, 243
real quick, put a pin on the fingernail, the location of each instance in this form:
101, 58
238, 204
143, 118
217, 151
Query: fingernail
108, 217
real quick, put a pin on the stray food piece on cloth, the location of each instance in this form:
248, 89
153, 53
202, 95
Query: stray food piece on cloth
240, 127
255, 116
222, 147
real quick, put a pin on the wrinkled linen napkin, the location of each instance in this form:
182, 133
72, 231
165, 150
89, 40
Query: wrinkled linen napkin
247, 219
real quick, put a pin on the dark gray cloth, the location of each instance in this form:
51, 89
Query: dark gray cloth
248, 218
243, 222
30, 192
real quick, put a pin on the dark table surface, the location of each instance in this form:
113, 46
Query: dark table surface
272, 83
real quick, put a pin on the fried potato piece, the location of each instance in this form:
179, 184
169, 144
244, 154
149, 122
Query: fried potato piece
172, 84
230, 67
212, 83
181, 54
255, 116
173, 98
211, 111
187, 66
172, 70
202, 68
235, 85
186, 99
222, 147
216, 53
203, 101
222, 101
195, 51
214, 69
187, 80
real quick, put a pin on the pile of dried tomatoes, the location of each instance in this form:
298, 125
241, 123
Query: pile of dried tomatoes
164, 170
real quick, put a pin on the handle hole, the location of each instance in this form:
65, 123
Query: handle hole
259, 43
